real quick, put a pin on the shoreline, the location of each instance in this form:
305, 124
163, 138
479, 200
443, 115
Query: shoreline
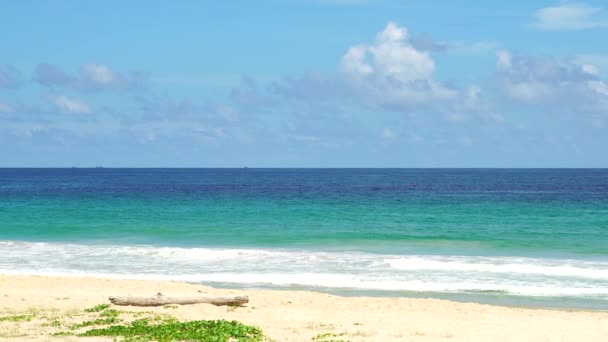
526, 281
449, 297
302, 315
563, 303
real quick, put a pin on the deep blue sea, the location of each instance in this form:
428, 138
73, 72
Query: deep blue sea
536, 237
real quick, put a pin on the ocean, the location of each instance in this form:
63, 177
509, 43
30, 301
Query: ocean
526, 237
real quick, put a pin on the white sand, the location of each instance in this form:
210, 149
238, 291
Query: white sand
300, 315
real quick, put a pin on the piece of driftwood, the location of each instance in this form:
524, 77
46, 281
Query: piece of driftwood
159, 300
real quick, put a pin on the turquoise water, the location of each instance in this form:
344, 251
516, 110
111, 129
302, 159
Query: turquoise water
525, 237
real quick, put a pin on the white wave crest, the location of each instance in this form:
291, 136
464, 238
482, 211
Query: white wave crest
523, 266
282, 267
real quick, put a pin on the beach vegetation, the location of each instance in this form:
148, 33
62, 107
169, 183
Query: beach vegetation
173, 330
54, 323
99, 321
17, 318
170, 306
329, 337
141, 322
110, 313
141, 313
104, 321
98, 308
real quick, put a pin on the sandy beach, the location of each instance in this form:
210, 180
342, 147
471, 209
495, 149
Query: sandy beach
294, 315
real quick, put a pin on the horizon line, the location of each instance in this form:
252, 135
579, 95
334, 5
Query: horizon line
298, 167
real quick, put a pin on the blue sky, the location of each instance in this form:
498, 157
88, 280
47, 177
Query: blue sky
304, 83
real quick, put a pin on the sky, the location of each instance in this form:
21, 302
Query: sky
304, 83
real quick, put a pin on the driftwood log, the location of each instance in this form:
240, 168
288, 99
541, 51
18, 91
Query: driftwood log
159, 300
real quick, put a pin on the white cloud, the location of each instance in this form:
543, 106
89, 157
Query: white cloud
92, 77
99, 74
569, 17
102, 77
354, 62
599, 87
503, 59
392, 72
391, 56
70, 106
394, 56
530, 91
564, 84
597, 62
472, 98
590, 69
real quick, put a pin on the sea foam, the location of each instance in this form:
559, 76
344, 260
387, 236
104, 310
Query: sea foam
307, 268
